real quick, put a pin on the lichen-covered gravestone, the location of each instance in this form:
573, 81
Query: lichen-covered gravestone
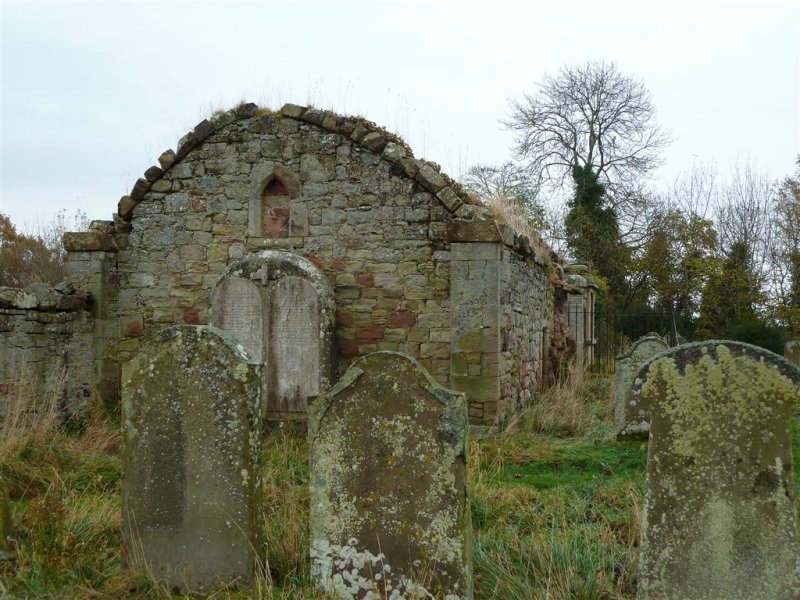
192, 421
720, 519
632, 420
389, 511
792, 351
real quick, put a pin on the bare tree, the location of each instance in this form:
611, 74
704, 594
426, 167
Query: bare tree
696, 192
589, 115
510, 181
743, 216
510, 189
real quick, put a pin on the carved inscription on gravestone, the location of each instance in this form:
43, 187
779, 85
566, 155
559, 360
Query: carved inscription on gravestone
237, 308
632, 418
389, 509
293, 346
719, 518
192, 423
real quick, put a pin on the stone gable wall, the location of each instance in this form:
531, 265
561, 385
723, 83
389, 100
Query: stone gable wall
377, 237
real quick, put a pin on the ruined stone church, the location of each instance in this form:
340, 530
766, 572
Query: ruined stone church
314, 239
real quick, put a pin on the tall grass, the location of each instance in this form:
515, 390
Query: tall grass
508, 212
555, 501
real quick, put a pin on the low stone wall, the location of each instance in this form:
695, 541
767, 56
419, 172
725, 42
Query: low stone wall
45, 341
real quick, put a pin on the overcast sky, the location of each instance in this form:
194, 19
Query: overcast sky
92, 93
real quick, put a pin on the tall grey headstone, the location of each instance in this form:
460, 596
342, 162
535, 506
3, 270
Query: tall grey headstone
389, 510
192, 422
294, 345
632, 419
720, 518
238, 310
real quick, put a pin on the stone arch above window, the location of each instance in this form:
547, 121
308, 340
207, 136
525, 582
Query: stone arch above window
274, 211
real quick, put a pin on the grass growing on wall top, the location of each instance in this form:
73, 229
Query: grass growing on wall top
555, 509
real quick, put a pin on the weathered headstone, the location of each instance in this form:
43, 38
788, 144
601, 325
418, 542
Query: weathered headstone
632, 420
192, 422
389, 511
719, 518
281, 308
791, 351
238, 310
294, 348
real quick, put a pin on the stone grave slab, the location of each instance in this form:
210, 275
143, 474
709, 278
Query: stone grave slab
719, 518
192, 423
294, 348
389, 511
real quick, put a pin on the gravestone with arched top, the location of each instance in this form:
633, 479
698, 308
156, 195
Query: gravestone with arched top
720, 516
192, 423
631, 418
280, 307
389, 508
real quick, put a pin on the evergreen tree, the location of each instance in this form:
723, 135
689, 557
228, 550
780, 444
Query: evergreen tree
593, 232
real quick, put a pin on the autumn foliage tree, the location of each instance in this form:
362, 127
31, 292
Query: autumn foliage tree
26, 259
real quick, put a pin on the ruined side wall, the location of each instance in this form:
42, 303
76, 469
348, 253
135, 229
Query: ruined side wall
502, 308
45, 341
526, 305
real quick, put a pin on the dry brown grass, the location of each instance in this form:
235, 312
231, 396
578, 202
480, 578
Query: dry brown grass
562, 409
513, 215
31, 409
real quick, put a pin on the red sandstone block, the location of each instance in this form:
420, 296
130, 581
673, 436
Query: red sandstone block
344, 319
191, 316
366, 279
347, 348
370, 333
314, 258
402, 319
132, 326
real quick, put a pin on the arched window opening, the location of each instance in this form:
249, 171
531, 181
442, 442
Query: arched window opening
275, 210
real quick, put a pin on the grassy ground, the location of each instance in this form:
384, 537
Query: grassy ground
555, 508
